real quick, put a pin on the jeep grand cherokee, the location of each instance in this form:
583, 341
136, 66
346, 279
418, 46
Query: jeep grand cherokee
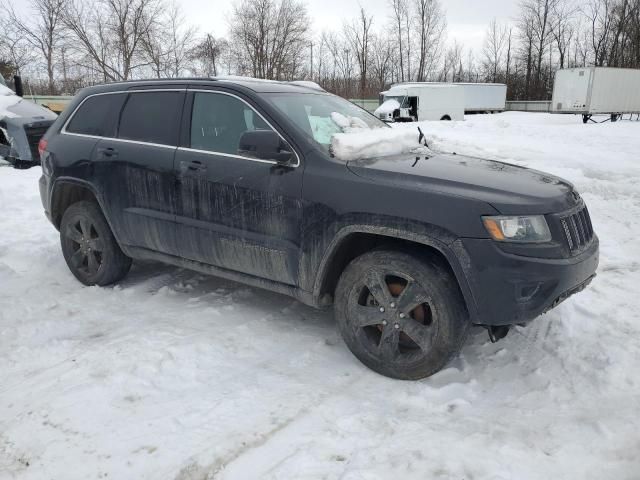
236, 178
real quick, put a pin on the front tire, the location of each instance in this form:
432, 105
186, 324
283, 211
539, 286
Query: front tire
89, 247
401, 315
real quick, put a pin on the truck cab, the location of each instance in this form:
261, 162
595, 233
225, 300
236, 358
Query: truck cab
414, 102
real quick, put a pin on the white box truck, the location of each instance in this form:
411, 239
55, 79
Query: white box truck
412, 102
596, 90
482, 97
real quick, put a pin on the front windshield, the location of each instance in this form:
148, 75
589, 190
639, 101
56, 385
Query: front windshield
402, 100
2, 82
322, 115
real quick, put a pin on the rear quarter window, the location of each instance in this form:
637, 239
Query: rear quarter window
152, 117
97, 115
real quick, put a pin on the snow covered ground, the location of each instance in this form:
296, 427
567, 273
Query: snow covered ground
172, 374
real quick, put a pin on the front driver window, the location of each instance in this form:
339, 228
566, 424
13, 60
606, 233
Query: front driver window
218, 121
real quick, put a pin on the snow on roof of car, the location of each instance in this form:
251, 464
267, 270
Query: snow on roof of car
306, 84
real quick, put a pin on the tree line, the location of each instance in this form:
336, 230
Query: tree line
60, 46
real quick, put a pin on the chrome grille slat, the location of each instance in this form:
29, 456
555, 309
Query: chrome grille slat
578, 230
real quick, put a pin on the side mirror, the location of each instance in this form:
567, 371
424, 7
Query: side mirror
265, 145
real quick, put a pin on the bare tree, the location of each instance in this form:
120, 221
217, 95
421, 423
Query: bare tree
381, 60
452, 63
535, 34
15, 52
562, 27
358, 35
509, 40
599, 14
340, 59
209, 52
271, 35
41, 29
111, 33
493, 50
431, 24
400, 12
169, 43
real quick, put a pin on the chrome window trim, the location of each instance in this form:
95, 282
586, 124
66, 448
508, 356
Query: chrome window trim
231, 155
64, 131
124, 140
75, 110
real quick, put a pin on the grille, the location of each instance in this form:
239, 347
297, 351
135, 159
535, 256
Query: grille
34, 134
577, 229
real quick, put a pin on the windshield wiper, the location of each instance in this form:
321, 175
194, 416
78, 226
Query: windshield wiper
421, 138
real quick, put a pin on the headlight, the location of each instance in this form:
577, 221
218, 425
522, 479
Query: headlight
528, 229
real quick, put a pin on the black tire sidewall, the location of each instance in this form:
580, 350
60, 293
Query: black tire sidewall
450, 321
114, 263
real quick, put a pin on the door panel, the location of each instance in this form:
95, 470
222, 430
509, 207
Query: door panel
140, 185
236, 213
137, 170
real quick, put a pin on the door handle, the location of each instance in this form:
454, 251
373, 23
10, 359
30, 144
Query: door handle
107, 152
192, 166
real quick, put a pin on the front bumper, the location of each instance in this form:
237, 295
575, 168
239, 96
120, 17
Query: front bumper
509, 289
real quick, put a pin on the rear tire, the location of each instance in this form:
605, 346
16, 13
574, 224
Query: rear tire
446, 117
401, 315
89, 247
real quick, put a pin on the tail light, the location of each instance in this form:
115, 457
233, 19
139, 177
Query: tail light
42, 146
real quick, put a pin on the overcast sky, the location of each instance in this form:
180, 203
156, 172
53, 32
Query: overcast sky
466, 19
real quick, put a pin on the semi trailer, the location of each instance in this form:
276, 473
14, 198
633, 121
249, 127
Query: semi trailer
592, 91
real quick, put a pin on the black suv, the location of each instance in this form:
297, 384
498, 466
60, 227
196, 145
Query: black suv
237, 178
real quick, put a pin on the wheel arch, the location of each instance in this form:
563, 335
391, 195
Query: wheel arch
67, 191
354, 241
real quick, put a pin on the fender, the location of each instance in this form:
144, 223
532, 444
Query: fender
437, 238
96, 193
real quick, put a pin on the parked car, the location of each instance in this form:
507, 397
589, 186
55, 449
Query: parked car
22, 125
592, 91
236, 178
413, 102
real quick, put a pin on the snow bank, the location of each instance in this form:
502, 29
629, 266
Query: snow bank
175, 375
388, 106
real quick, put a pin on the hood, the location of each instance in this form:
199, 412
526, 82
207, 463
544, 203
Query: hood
510, 189
12, 106
388, 106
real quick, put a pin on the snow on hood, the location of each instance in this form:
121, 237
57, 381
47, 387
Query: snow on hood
7, 99
387, 106
380, 142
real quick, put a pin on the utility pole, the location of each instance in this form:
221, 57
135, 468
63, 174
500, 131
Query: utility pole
311, 45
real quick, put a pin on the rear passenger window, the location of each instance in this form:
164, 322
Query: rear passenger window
218, 121
151, 117
97, 115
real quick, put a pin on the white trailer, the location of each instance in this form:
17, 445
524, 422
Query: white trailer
411, 102
596, 90
484, 97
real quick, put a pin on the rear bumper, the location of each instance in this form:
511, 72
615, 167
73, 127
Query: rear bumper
43, 185
508, 289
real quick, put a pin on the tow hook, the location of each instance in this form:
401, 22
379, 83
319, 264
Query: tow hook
497, 332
